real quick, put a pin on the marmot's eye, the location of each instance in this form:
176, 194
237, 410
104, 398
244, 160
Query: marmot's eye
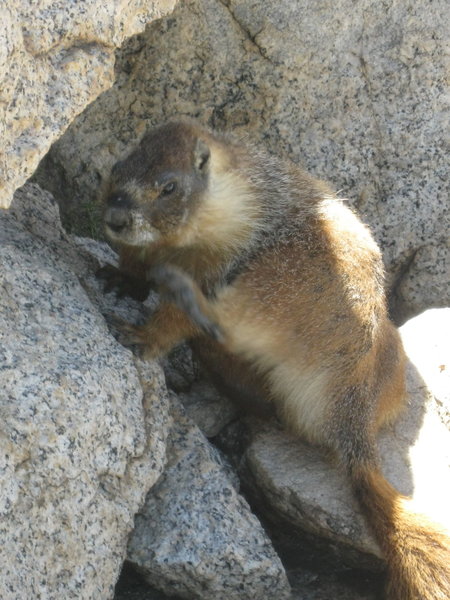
169, 188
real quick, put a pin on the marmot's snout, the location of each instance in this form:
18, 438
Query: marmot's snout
117, 214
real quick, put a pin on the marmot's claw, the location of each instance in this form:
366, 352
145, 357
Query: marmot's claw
126, 333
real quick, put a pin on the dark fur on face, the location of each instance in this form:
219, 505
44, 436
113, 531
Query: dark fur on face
158, 186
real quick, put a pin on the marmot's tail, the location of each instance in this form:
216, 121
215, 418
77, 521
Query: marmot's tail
417, 554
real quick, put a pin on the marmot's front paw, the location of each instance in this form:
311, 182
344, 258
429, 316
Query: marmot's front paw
126, 333
135, 337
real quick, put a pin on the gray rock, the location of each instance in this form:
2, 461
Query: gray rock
53, 63
209, 410
351, 90
295, 485
82, 431
180, 368
97, 254
195, 536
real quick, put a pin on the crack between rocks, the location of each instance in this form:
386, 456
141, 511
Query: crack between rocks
252, 38
395, 305
60, 48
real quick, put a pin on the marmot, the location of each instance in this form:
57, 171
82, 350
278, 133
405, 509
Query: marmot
284, 286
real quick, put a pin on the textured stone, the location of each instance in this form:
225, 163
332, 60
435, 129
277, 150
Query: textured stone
295, 485
82, 431
180, 368
209, 410
351, 90
55, 58
195, 536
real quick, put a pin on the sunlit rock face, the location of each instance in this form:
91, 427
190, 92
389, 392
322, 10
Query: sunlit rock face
55, 59
83, 427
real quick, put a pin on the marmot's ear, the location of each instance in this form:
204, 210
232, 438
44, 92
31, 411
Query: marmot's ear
201, 155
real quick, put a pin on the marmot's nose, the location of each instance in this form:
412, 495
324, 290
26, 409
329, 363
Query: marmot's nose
117, 218
117, 213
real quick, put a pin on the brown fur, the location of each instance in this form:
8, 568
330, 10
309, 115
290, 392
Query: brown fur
294, 283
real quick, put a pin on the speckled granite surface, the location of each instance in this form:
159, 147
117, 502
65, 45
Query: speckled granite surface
55, 58
196, 536
82, 431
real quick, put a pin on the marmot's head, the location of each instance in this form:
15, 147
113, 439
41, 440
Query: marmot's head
157, 188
